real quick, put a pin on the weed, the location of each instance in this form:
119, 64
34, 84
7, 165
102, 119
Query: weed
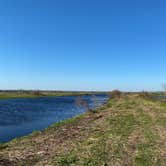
66, 160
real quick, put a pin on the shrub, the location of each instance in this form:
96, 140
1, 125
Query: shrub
115, 94
146, 95
83, 103
37, 93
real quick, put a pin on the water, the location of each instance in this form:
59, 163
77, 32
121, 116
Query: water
161, 97
19, 117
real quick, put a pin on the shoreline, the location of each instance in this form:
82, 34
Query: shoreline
10, 95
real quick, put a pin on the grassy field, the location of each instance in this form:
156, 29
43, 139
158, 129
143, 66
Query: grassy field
129, 131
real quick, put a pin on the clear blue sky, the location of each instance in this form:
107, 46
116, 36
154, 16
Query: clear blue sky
82, 44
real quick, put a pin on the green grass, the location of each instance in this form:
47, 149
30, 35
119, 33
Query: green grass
122, 125
66, 160
163, 104
66, 122
161, 121
145, 156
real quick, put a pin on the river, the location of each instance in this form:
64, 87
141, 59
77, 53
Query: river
20, 117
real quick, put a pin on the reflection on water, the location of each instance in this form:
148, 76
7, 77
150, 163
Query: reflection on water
19, 117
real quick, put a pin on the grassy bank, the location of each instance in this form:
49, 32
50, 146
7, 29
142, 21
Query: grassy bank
127, 131
36, 94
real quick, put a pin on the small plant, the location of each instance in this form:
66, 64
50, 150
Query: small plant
66, 160
3, 146
80, 102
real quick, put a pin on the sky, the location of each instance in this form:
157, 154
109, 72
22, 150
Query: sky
83, 44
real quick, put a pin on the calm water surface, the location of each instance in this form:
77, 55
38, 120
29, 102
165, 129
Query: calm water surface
19, 117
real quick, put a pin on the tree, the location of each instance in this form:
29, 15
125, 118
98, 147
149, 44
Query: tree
164, 87
115, 94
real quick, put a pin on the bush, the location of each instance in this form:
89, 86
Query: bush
115, 94
37, 93
83, 103
146, 95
